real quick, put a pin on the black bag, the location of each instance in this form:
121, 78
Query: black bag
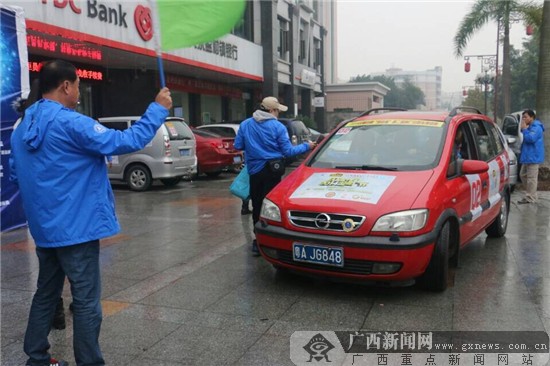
276, 166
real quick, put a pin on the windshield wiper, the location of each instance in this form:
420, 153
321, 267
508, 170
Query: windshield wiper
366, 167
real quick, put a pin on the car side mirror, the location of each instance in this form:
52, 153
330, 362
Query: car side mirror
474, 167
511, 140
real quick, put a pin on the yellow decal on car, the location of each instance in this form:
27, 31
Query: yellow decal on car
398, 122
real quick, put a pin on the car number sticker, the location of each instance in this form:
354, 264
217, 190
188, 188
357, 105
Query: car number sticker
475, 195
356, 187
343, 131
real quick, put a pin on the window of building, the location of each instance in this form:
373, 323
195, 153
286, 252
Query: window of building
244, 27
318, 55
283, 50
302, 51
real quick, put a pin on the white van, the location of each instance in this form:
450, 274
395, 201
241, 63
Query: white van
170, 156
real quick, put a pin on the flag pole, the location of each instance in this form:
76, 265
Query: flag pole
157, 41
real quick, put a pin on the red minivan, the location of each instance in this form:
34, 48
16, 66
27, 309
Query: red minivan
390, 196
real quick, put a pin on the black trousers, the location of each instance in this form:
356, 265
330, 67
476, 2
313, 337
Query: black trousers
261, 184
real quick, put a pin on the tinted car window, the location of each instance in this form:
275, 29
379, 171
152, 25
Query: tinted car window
177, 130
485, 143
496, 137
205, 133
120, 126
222, 131
510, 126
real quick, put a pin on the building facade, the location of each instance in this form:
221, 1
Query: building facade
348, 100
277, 50
429, 81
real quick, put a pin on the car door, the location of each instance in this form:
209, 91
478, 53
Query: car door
465, 190
488, 150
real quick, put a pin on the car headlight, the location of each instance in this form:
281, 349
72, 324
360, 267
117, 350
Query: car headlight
270, 211
402, 221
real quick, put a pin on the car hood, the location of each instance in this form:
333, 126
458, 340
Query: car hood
349, 191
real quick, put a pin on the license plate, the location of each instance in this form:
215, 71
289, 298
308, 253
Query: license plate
330, 256
237, 159
184, 152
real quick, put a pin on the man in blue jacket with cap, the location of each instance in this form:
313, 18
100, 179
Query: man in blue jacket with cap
265, 140
58, 161
532, 154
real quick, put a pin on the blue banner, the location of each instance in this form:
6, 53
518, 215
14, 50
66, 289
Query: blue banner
15, 84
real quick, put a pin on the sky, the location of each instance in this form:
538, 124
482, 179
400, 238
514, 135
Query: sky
412, 35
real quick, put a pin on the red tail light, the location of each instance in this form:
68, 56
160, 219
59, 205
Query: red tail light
167, 147
217, 144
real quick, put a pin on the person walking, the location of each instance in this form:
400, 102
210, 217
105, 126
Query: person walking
266, 143
58, 161
532, 154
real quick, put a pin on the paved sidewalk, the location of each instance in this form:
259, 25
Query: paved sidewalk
181, 288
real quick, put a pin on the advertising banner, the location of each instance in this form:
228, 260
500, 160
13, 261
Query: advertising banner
15, 85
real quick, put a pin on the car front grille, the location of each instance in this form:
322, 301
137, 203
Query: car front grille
351, 266
325, 221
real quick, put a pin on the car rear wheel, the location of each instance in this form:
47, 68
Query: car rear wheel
498, 228
437, 274
170, 182
138, 178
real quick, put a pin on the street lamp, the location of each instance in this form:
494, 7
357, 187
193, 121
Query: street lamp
485, 79
491, 64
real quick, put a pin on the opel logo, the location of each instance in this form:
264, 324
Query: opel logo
322, 221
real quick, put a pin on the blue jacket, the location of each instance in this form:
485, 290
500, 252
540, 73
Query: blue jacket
532, 148
264, 138
58, 161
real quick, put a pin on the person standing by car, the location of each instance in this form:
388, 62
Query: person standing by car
266, 143
532, 154
58, 161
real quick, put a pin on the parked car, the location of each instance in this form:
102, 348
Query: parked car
225, 130
387, 198
316, 135
216, 153
298, 133
512, 131
170, 156
513, 179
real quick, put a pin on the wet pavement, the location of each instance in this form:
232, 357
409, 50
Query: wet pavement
181, 288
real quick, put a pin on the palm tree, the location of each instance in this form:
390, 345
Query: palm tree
543, 84
503, 12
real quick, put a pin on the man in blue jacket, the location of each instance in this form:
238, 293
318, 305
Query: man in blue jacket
266, 143
58, 161
532, 154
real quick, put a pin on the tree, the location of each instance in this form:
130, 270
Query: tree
543, 84
503, 12
524, 66
476, 99
405, 95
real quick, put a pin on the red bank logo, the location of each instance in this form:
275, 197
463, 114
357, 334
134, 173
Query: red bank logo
144, 23
63, 3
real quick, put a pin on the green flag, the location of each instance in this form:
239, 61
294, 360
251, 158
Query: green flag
185, 23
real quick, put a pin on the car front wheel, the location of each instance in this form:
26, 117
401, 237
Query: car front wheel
437, 274
498, 228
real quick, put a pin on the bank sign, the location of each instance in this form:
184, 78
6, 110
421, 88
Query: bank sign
127, 25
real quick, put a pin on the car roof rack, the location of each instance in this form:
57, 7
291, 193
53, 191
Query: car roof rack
371, 111
456, 110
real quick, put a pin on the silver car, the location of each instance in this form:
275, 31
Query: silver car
514, 163
170, 156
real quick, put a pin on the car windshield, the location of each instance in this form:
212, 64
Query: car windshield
382, 145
